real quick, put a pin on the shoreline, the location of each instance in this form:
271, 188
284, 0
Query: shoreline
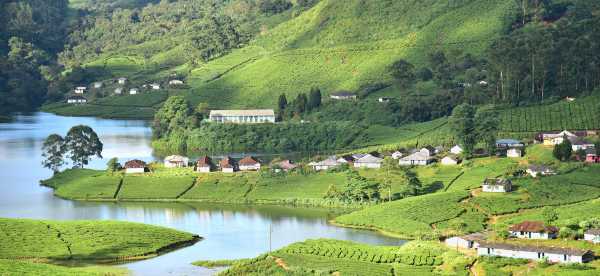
373, 229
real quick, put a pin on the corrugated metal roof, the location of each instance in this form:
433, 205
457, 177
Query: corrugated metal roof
250, 112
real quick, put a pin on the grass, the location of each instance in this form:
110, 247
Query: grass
159, 185
15, 267
84, 184
86, 240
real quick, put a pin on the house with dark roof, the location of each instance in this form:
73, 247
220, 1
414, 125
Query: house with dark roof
592, 235
497, 185
580, 144
419, 158
228, 165
369, 161
135, 166
249, 163
533, 230
552, 254
343, 95
204, 165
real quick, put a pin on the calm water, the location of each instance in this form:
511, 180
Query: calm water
230, 231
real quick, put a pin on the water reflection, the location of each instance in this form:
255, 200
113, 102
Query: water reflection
230, 231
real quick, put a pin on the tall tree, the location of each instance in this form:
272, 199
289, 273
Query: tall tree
82, 142
314, 98
462, 124
487, 126
300, 103
172, 116
564, 150
53, 151
282, 103
404, 72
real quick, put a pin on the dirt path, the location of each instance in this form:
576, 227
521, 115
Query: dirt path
281, 263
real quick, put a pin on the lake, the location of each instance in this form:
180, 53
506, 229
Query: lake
229, 231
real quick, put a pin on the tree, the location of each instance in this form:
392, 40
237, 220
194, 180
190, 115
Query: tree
581, 154
113, 165
564, 150
53, 151
202, 110
300, 103
487, 127
282, 103
314, 98
413, 184
549, 215
172, 116
462, 124
404, 72
83, 143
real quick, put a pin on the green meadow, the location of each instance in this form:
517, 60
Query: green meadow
18, 267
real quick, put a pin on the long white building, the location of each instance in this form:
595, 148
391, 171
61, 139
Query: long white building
257, 116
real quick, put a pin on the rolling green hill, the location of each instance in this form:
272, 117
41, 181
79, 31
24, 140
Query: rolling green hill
334, 45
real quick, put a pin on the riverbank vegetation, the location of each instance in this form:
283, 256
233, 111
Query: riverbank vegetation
82, 241
20, 267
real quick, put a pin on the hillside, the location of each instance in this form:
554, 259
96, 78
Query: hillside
334, 45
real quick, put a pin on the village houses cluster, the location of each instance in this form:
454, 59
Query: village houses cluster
79, 91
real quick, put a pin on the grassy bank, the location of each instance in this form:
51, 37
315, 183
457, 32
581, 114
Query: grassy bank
17, 267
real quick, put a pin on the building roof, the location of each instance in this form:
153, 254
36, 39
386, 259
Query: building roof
531, 248
227, 162
287, 165
248, 161
590, 151
452, 157
539, 168
249, 112
369, 159
474, 237
76, 98
347, 158
204, 161
579, 142
176, 159
595, 231
135, 164
509, 142
496, 181
533, 226
417, 156
331, 161
343, 94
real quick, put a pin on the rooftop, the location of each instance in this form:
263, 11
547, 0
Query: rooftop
248, 161
533, 226
531, 248
249, 112
135, 164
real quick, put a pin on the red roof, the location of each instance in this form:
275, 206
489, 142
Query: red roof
287, 165
204, 162
248, 161
135, 164
227, 162
533, 226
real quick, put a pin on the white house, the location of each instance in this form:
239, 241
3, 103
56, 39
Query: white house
397, 155
450, 161
552, 254
384, 100
175, 82
118, 90
552, 139
456, 150
533, 230
243, 116
135, 166
204, 165
80, 89
592, 235
97, 85
133, 91
369, 161
122, 80
249, 163
431, 151
227, 165
497, 185
419, 158
155, 86
580, 144
535, 170
466, 242
343, 96
76, 100
326, 164
176, 161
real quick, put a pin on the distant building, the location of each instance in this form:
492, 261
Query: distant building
204, 165
343, 96
552, 254
514, 152
384, 100
287, 165
497, 185
326, 164
243, 116
580, 144
535, 170
419, 158
227, 165
570, 99
591, 156
155, 86
118, 90
133, 91
466, 242
397, 155
347, 159
456, 150
175, 82
450, 160
368, 161
80, 89
135, 166
176, 161
122, 80
76, 100
97, 85
533, 230
592, 235
509, 143
431, 151
556, 138
249, 163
